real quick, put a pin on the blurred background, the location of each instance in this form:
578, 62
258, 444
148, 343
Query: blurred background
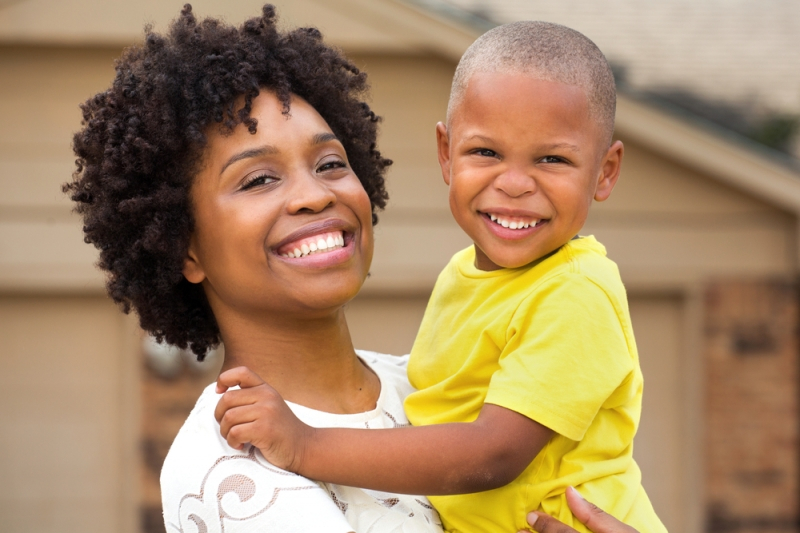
703, 225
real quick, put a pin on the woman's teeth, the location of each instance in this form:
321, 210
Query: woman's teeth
513, 224
317, 244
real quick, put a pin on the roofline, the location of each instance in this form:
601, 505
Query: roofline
428, 29
732, 161
415, 26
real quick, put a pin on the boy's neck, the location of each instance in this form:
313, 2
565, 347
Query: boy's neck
485, 263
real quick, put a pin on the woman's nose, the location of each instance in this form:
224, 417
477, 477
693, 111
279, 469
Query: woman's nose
310, 194
515, 182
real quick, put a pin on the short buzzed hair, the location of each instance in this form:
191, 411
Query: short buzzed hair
547, 51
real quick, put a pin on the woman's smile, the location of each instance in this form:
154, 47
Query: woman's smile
319, 244
282, 221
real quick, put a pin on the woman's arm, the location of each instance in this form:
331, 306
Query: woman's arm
440, 459
589, 514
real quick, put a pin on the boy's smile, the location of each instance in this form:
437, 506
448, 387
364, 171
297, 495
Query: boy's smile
524, 159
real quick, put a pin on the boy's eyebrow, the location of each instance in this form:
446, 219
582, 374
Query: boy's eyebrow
268, 149
554, 146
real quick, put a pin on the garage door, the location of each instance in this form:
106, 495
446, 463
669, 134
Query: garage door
66, 447
659, 445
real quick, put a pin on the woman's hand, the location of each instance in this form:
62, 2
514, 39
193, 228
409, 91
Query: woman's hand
257, 414
589, 514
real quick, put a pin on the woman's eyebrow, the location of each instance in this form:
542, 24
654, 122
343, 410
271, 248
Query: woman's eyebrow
268, 149
253, 152
320, 138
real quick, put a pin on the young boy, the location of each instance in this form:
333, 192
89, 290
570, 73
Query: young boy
526, 367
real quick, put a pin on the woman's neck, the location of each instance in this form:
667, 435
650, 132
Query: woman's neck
310, 362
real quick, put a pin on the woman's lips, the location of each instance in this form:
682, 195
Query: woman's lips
321, 243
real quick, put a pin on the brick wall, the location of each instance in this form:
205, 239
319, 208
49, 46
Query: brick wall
752, 412
166, 402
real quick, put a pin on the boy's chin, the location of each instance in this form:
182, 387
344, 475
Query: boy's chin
495, 261
510, 259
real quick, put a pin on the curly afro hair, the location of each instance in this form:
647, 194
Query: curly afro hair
142, 141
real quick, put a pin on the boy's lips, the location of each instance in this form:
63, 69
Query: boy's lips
516, 226
512, 222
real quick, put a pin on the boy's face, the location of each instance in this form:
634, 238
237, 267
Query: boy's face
524, 159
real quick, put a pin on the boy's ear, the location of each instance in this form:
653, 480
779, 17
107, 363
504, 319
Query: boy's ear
192, 270
609, 171
443, 151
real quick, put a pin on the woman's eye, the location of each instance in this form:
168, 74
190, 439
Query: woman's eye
331, 165
255, 181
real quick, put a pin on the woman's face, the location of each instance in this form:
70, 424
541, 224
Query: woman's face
282, 223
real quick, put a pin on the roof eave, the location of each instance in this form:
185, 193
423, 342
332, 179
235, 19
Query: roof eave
728, 160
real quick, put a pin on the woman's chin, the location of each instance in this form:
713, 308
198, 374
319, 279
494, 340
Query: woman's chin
344, 289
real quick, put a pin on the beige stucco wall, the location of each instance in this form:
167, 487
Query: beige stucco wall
668, 224
41, 244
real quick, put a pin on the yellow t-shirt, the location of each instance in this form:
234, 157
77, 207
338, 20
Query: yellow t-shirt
552, 341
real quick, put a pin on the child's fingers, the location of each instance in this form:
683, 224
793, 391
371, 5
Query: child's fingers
239, 435
240, 397
236, 416
241, 376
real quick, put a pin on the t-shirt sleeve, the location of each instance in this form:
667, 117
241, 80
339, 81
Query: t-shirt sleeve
207, 486
566, 354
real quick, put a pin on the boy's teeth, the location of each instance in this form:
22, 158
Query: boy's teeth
512, 224
317, 244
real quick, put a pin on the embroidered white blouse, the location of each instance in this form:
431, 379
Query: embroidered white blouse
208, 487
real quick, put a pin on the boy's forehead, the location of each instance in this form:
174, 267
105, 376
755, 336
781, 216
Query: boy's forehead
514, 90
513, 100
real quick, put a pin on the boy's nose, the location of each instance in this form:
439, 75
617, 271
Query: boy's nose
309, 194
515, 183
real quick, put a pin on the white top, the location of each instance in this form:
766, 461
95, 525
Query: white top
208, 487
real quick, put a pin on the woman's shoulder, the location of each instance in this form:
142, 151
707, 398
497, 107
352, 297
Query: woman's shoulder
392, 369
205, 480
392, 365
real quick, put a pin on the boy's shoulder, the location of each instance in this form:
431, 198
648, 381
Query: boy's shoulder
581, 258
580, 270
585, 255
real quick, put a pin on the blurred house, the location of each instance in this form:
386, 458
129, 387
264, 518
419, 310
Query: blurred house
703, 224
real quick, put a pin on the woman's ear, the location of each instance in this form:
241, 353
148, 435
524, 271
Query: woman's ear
192, 269
609, 171
443, 150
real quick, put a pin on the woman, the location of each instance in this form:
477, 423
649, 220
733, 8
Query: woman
230, 180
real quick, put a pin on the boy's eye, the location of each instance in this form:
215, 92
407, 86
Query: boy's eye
551, 159
485, 152
255, 181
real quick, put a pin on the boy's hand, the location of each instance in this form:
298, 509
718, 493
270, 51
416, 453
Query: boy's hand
257, 414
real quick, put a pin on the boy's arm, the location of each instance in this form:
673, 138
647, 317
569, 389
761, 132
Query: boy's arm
440, 459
